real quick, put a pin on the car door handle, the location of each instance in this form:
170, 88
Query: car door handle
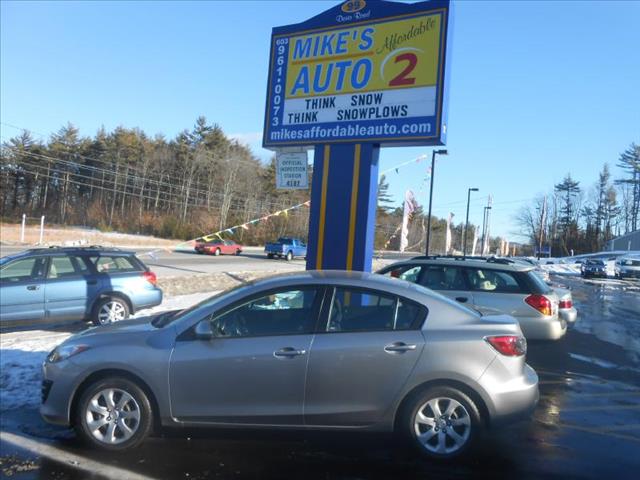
288, 352
462, 299
399, 347
33, 287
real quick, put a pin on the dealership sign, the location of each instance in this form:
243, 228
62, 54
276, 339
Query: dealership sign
364, 71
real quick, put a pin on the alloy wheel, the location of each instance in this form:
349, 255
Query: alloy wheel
442, 425
112, 416
112, 311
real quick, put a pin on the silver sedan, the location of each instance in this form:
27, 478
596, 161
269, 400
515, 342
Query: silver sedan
315, 350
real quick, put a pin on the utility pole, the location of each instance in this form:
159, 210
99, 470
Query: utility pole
542, 215
433, 174
484, 227
466, 223
488, 231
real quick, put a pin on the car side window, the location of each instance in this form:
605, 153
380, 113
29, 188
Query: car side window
81, 264
356, 310
280, 312
61, 267
485, 280
23, 270
443, 277
106, 264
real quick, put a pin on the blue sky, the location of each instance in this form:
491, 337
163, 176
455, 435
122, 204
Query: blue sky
538, 89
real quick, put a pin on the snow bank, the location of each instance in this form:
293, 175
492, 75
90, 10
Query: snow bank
22, 354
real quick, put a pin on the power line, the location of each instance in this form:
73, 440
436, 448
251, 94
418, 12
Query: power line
136, 180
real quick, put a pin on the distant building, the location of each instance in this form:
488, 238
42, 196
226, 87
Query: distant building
630, 241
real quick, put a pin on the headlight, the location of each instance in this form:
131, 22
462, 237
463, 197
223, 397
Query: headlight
65, 351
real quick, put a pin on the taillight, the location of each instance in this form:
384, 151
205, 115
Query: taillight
509, 345
150, 277
540, 303
565, 304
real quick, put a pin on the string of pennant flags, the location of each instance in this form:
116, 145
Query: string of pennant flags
246, 225
285, 212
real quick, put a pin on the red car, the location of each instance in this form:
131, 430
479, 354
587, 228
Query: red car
226, 247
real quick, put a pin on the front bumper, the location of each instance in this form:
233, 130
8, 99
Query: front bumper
629, 273
59, 382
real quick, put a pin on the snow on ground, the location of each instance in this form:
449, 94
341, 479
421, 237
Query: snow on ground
22, 354
562, 268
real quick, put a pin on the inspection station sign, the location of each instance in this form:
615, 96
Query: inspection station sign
363, 71
291, 170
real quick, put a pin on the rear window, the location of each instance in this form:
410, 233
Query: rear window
488, 280
536, 284
106, 264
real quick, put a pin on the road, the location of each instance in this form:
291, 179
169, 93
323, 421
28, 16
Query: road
166, 263
587, 424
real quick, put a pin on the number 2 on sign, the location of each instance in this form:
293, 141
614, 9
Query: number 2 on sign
403, 77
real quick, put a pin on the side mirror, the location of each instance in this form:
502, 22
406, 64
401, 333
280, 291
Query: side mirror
203, 330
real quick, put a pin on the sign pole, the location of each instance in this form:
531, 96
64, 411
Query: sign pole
343, 207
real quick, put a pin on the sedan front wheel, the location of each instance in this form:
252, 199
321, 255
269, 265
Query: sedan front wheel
113, 414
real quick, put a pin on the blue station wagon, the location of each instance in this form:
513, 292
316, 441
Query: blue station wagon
54, 285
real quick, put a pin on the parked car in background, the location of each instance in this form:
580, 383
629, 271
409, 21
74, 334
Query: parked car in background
593, 268
566, 310
313, 350
54, 285
199, 244
627, 266
286, 247
222, 247
497, 284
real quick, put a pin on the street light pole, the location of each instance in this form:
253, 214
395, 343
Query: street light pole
433, 172
466, 224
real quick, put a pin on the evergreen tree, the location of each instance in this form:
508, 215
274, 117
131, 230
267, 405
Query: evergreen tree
568, 189
629, 161
385, 201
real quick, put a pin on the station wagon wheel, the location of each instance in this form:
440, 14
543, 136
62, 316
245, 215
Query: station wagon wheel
110, 310
441, 422
113, 414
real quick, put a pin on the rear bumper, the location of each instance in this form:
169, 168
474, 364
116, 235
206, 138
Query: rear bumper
146, 299
569, 315
516, 400
543, 328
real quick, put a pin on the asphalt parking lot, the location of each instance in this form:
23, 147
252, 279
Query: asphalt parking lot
587, 424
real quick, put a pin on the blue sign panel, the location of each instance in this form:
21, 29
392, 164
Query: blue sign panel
363, 71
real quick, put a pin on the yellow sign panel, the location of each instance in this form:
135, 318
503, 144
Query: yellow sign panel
389, 55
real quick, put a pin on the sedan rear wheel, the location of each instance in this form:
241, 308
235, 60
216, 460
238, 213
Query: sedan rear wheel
217, 252
113, 414
441, 422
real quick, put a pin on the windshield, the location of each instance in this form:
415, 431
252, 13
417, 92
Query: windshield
595, 262
170, 317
